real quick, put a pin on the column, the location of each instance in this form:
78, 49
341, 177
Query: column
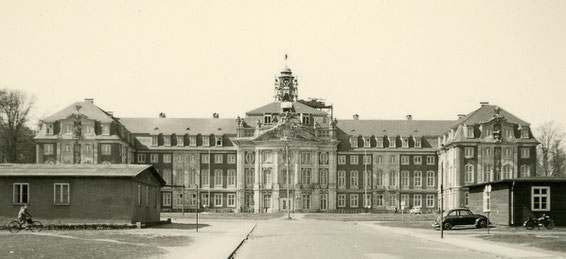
297, 195
275, 179
332, 174
257, 181
240, 181
315, 194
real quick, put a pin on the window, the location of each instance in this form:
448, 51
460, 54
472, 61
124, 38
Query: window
430, 200
470, 132
417, 178
418, 142
266, 176
205, 177
106, 149
204, 159
231, 158
218, 158
353, 179
404, 178
392, 178
192, 141
379, 178
231, 177
367, 141
469, 173
379, 160
341, 159
87, 147
540, 198
469, 152
231, 200
192, 158
507, 152
323, 158
487, 151
49, 129
218, 141
249, 175
192, 176
354, 142
466, 199
392, 143
430, 179
61, 194
218, 177
392, 159
250, 157
305, 175
305, 118
139, 195
267, 118
418, 160
306, 201
21, 193
379, 142
525, 171
141, 158
417, 200
367, 160
267, 157
105, 129
167, 158
379, 200
205, 140
218, 200
525, 152
404, 160
487, 173
341, 178
354, 159
430, 160
154, 158
48, 149
283, 174
525, 132
305, 157
266, 200
180, 141
204, 200
488, 132
154, 141
367, 178
509, 133
405, 143
405, 200
353, 200
166, 199
323, 201
507, 171
392, 200
167, 141
341, 200
323, 176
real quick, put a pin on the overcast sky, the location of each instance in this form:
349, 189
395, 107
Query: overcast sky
378, 59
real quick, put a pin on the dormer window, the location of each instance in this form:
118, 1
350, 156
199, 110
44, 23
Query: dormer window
154, 141
305, 118
525, 132
267, 118
89, 129
354, 142
48, 129
218, 141
367, 142
167, 141
205, 140
405, 142
180, 141
418, 142
470, 132
488, 132
105, 129
68, 129
508, 133
392, 143
379, 142
193, 141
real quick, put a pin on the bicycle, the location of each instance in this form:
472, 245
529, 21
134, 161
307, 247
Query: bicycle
15, 226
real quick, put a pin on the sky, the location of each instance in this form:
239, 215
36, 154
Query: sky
379, 59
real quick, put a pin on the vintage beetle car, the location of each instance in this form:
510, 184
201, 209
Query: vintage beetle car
461, 216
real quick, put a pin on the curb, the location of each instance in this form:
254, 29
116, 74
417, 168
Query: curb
231, 256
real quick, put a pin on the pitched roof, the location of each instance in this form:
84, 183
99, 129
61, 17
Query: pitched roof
485, 113
88, 109
394, 127
275, 107
75, 170
168, 126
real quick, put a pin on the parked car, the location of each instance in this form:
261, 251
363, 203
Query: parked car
416, 210
455, 217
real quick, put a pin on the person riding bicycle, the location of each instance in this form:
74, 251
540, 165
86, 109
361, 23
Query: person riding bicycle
24, 216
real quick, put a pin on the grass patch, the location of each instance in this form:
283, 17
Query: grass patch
230, 216
130, 236
372, 217
408, 224
547, 242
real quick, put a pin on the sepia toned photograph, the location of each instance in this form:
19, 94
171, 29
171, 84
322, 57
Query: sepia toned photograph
283, 129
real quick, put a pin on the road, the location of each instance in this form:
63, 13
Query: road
304, 238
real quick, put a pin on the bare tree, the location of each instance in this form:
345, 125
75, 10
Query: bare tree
16, 139
551, 155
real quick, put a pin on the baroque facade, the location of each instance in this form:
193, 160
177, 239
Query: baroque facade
289, 153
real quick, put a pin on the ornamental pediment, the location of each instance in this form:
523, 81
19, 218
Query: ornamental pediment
287, 131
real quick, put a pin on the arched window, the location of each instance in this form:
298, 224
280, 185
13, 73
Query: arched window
469, 173
525, 171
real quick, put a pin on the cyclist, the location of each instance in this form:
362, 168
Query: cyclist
24, 216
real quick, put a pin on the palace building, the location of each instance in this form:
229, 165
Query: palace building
293, 153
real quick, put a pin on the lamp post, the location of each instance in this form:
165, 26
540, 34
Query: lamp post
287, 180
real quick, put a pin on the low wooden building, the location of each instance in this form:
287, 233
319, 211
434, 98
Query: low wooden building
118, 193
512, 201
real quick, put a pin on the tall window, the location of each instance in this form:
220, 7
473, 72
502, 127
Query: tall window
154, 141
218, 200
469, 173
405, 143
392, 141
417, 200
404, 160
218, 141
379, 178
192, 141
323, 176
231, 199
306, 175
106, 149
249, 174
180, 141
507, 172
141, 158
379, 160
167, 158
418, 160
487, 171
367, 200
470, 132
267, 176
167, 141
218, 177
231, 177
469, 152
418, 142
306, 157
405, 200
353, 200
218, 158
341, 200
323, 201
342, 178
167, 176
231, 158
204, 159
525, 152
354, 142
540, 198
379, 142
404, 178
487, 151
341, 159
205, 140
266, 200
392, 159
392, 178
417, 178
367, 159
204, 175
105, 129
430, 179
323, 158
379, 200
430, 160
204, 199
525, 171
430, 200
367, 142
354, 159
166, 199
306, 200
466, 199
154, 158
524, 132
507, 152
354, 179
367, 178
21, 193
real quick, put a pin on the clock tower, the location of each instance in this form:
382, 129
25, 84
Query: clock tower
286, 86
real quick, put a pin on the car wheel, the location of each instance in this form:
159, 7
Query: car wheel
447, 225
481, 224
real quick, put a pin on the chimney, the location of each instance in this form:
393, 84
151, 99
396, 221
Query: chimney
484, 103
461, 116
111, 113
409, 117
90, 100
215, 115
356, 117
162, 115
